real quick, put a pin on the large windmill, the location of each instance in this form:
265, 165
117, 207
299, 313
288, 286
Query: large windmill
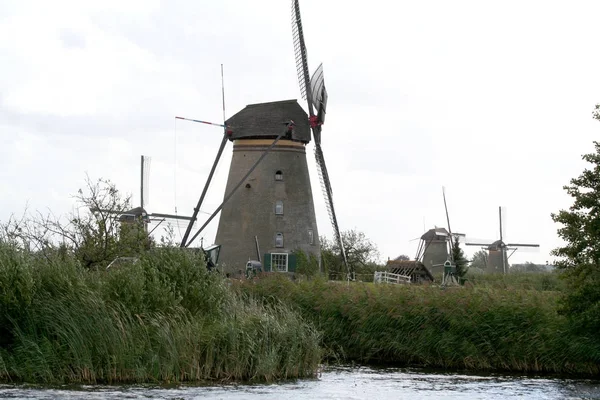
498, 257
267, 211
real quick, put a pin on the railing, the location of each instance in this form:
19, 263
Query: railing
389, 277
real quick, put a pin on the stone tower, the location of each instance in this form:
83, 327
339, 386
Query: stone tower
274, 206
495, 255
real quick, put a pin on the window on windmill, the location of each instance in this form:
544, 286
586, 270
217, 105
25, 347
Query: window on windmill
278, 176
279, 207
279, 262
311, 237
279, 239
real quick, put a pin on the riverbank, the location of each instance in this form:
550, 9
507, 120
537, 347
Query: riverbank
165, 319
161, 319
487, 328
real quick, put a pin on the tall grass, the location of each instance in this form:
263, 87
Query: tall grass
542, 281
460, 328
162, 319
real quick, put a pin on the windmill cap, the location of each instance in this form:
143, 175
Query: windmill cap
264, 120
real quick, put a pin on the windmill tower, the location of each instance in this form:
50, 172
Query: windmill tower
268, 212
435, 246
433, 249
498, 250
272, 214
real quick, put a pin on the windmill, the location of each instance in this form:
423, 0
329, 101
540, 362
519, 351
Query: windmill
498, 258
314, 92
139, 214
268, 196
435, 245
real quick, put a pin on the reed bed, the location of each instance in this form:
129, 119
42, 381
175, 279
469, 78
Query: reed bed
162, 319
473, 328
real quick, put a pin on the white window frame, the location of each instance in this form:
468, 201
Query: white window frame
277, 235
279, 262
311, 236
279, 204
278, 175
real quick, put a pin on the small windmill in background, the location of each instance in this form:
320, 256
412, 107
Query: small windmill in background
498, 257
139, 213
435, 245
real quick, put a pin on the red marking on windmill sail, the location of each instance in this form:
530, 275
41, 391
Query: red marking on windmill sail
314, 121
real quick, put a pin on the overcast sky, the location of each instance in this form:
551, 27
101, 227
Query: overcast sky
492, 100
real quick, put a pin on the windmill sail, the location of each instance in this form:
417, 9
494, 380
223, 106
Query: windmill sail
319, 98
145, 182
300, 49
313, 91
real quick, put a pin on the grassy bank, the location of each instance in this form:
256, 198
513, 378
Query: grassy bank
162, 319
473, 328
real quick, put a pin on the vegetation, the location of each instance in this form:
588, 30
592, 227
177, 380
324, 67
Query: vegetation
160, 317
163, 318
580, 256
460, 260
362, 255
479, 260
92, 233
511, 329
515, 280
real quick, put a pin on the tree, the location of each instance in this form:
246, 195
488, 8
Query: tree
458, 255
580, 256
527, 267
307, 265
92, 232
479, 260
362, 254
403, 257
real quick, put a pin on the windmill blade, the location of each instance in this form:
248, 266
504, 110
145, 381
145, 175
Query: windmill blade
477, 244
319, 92
448, 219
200, 121
315, 123
503, 219
300, 52
171, 216
145, 182
521, 245
328, 194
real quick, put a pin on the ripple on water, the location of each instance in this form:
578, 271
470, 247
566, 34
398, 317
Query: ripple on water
340, 383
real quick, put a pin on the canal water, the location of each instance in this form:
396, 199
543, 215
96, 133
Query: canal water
341, 383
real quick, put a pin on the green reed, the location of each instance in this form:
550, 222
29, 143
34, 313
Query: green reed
162, 319
459, 328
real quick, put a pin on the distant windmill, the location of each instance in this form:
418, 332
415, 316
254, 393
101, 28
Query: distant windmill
498, 258
435, 245
139, 213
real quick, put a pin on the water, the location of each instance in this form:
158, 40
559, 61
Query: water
341, 383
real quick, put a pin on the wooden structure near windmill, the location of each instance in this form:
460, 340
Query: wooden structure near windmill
414, 269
